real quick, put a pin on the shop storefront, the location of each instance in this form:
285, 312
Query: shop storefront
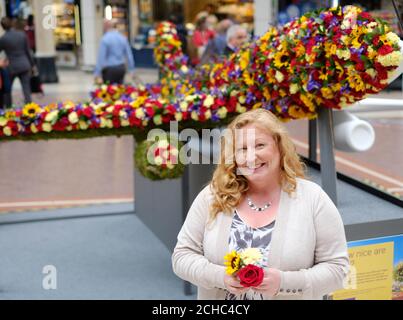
67, 33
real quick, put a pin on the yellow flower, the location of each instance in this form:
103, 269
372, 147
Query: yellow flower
31, 110
356, 82
232, 261
307, 102
339, 68
244, 60
330, 49
356, 43
242, 99
247, 78
3, 121
326, 92
299, 51
257, 105
296, 112
371, 53
251, 256
165, 91
281, 59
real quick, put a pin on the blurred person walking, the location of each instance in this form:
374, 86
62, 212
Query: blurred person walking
115, 56
201, 36
21, 63
216, 46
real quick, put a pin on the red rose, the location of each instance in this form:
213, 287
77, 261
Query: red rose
251, 276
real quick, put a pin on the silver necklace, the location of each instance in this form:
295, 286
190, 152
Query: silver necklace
256, 208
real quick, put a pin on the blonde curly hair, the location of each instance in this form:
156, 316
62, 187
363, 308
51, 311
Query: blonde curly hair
227, 186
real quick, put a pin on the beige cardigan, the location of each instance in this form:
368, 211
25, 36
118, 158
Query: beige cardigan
308, 246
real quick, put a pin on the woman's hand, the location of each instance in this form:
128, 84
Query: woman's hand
271, 283
233, 285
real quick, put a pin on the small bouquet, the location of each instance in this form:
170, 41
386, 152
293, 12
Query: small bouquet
247, 265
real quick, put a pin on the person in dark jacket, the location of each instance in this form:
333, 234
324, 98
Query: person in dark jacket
21, 63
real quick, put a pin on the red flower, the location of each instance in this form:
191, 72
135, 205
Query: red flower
150, 111
375, 41
251, 276
385, 49
87, 112
365, 15
116, 123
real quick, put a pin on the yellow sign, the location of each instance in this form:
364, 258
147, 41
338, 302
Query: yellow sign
371, 273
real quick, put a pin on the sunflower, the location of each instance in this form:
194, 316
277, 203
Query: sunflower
233, 262
281, 59
31, 110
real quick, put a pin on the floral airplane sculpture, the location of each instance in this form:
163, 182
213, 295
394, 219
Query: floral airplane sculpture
324, 59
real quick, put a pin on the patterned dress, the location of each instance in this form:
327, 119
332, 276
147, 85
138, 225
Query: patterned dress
242, 237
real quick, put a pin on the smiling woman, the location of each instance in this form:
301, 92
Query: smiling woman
258, 198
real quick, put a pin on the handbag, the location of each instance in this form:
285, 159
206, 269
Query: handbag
36, 83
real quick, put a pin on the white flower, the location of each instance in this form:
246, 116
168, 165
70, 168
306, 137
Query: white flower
279, 76
294, 88
51, 116
209, 101
391, 59
251, 256
73, 118
392, 37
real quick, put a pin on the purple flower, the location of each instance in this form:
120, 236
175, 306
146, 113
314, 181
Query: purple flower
215, 118
357, 51
250, 97
345, 88
312, 84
